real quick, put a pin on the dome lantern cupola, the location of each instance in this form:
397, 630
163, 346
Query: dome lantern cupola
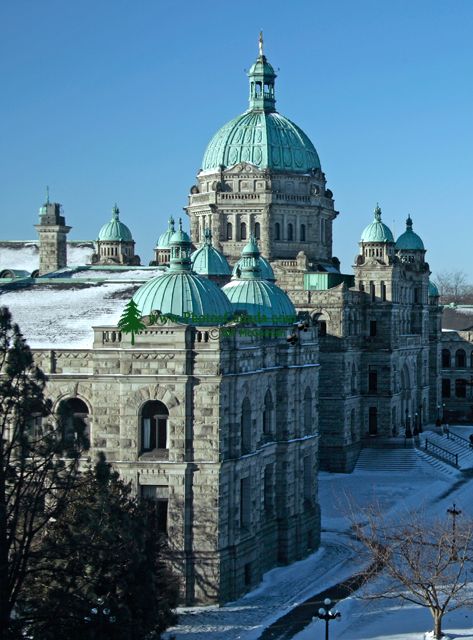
162, 251
262, 76
180, 245
377, 240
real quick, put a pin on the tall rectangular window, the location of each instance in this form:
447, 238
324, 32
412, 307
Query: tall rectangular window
373, 328
245, 503
308, 481
159, 494
268, 496
372, 379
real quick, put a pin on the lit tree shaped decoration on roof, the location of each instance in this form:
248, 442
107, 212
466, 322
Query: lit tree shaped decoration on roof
130, 322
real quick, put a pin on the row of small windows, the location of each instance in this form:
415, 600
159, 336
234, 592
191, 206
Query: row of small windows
460, 388
114, 251
458, 361
290, 234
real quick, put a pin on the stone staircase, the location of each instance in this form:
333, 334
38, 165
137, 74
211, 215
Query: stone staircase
387, 460
454, 446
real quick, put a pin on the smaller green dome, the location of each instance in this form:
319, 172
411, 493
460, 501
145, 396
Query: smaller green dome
182, 293
409, 241
433, 290
115, 231
251, 249
377, 231
262, 301
164, 238
208, 261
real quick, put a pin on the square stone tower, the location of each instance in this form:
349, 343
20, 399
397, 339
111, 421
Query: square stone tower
52, 230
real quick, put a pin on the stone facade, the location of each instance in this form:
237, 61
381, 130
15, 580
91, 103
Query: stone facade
456, 404
288, 213
235, 472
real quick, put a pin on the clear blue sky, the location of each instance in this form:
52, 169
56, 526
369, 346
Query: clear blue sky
114, 101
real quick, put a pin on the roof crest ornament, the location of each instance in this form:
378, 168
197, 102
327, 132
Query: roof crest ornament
409, 222
115, 212
47, 195
377, 213
260, 43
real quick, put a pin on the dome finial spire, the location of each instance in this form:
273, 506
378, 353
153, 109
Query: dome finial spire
115, 212
260, 44
377, 213
409, 222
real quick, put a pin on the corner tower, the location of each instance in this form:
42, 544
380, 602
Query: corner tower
261, 175
52, 231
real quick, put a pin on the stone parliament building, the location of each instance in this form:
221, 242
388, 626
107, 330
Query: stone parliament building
260, 361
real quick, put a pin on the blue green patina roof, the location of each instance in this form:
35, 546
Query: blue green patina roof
266, 140
433, 290
262, 301
182, 293
115, 231
265, 269
261, 136
409, 240
164, 238
208, 261
377, 231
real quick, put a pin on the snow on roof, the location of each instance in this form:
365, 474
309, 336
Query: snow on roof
62, 316
24, 254
133, 275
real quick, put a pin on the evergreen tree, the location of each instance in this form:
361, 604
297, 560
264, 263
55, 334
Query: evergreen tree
107, 579
35, 476
130, 322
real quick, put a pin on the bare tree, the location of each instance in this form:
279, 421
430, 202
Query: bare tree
426, 563
453, 287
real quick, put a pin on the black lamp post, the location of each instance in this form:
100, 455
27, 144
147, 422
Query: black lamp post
325, 613
408, 425
420, 418
454, 513
416, 423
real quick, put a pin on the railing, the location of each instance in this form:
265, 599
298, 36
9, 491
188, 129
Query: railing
441, 453
460, 439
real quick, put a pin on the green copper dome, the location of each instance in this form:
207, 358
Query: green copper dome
115, 231
263, 301
266, 270
433, 290
164, 238
377, 231
261, 136
409, 241
182, 293
208, 261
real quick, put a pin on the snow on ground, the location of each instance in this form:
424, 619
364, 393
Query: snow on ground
284, 587
24, 255
62, 317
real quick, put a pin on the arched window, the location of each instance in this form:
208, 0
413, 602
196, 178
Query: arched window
74, 415
34, 425
302, 232
245, 427
460, 359
308, 411
322, 328
154, 426
257, 230
277, 231
229, 231
290, 232
460, 388
268, 411
243, 231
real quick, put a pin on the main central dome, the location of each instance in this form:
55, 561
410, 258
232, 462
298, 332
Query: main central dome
261, 136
